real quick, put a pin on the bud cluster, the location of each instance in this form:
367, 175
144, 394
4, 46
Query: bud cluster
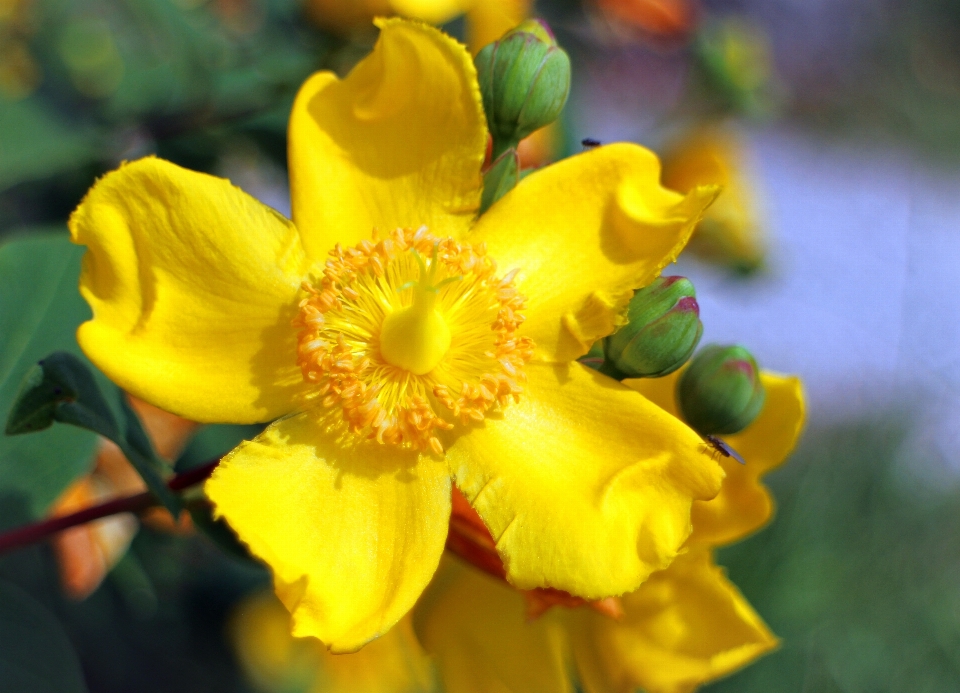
720, 391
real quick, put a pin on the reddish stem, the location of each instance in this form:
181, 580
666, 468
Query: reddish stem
38, 531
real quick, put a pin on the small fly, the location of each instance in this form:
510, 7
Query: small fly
590, 143
722, 449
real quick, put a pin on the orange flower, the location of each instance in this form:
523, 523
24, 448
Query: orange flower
665, 18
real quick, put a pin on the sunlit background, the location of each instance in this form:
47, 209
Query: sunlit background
849, 144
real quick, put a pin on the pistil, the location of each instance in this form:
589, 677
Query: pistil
416, 337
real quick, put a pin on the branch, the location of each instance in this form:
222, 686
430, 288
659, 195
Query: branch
38, 531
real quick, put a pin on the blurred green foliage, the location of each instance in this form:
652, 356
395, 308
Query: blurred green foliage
40, 310
892, 71
35, 654
89, 84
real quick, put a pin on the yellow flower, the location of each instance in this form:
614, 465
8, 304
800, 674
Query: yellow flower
730, 232
487, 20
276, 662
404, 342
685, 626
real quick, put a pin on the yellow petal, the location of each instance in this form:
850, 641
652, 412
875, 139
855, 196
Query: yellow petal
584, 485
743, 504
192, 285
398, 143
488, 20
352, 534
477, 631
584, 233
279, 663
685, 626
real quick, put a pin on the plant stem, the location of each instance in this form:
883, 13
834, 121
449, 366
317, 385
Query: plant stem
37, 531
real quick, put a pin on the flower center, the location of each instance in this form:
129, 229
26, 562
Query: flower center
404, 346
417, 337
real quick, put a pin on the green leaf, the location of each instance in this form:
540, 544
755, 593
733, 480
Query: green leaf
36, 143
40, 310
35, 654
137, 447
61, 388
65, 390
35, 404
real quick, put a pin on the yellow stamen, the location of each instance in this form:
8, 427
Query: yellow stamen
404, 354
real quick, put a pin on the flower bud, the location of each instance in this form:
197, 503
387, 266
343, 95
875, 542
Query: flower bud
720, 393
525, 80
663, 330
735, 63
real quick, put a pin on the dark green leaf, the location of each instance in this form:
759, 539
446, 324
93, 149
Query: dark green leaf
66, 391
61, 388
134, 432
138, 449
40, 310
35, 404
35, 654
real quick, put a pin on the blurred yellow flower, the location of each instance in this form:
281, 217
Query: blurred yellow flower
730, 232
685, 626
378, 325
487, 20
276, 662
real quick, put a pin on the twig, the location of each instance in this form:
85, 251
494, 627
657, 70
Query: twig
37, 531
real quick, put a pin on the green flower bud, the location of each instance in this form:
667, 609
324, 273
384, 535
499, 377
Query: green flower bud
721, 392
663, 330
525, 80
594, 358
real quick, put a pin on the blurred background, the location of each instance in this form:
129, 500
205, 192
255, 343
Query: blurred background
836, 128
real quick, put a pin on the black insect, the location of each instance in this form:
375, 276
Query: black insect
590, 143
721, 449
